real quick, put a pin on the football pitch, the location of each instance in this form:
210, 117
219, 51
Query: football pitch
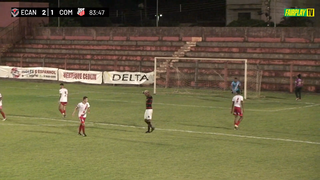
194, 139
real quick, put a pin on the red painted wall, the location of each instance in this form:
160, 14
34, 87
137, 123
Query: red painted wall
209, 34
5, 12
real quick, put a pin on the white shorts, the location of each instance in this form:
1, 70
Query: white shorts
148, 114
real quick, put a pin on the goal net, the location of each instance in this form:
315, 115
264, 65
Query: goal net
205, 75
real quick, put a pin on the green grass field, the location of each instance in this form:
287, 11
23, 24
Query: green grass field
194, 139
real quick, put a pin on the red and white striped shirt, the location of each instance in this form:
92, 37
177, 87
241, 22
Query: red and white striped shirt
83, 109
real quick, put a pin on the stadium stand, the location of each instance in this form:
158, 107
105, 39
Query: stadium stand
279, 55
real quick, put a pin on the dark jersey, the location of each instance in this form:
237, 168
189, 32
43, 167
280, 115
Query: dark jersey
298, 82
149, 102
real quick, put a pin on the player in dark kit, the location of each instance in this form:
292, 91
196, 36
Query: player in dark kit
298, 83
149, 111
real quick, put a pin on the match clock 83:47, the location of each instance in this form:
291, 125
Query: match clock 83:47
99, 12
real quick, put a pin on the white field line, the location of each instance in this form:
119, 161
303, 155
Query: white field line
178, 130
42, 125
284, 109
213, 107
183, 105
83, 92
261, 110
57, 95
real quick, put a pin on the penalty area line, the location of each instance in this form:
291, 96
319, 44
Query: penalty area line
182, 131
37, 125
241, 136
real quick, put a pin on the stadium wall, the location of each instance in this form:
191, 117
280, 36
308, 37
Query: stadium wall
210, 34
5, 13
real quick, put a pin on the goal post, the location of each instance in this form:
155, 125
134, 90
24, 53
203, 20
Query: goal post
197, 73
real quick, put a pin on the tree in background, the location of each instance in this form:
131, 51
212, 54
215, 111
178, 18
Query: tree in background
286, 22
249, 23
295, 22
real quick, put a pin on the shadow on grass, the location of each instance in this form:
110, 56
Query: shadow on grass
109, 128
292, 133
199, 125
72, 129
275, 97
142, 142
43, 132
20, 115
98, 126
211, 99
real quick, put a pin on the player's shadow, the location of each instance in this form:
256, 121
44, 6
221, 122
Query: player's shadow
21, 115
142, 142
72, 129
89, 126
292, 133
43, 132
210, 99
109, 128
199, 125
274, 97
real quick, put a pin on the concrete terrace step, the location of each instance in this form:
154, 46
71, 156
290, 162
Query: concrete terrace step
191, 43
260, 44
92, 52
78, 56
105, 64
4, 45
257, 50
179, 52
98, 47
96, 42
185, 47
265, 60
95, 67
265, 64
72, 61
253, 56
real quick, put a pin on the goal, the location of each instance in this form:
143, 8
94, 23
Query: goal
185, 74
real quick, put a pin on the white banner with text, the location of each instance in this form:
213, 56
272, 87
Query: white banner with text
90, 77
29, 73
135, 78
4, 71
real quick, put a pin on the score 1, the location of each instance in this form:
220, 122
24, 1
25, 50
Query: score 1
60, 12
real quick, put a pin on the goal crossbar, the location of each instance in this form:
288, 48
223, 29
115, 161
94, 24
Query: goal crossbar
201, 59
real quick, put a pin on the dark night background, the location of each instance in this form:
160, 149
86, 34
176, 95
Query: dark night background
127, 12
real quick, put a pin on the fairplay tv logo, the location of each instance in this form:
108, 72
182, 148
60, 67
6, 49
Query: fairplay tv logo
309, 12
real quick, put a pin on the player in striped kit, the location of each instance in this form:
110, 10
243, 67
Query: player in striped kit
237, 109
83, 108
63, 100
1, 111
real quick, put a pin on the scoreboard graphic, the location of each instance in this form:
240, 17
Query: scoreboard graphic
59, 12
